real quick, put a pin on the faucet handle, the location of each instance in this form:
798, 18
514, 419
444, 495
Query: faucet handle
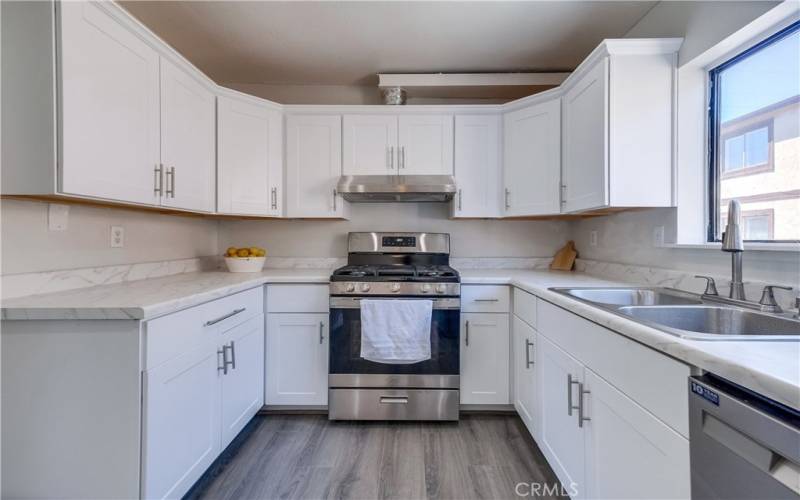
767, 302
711, 286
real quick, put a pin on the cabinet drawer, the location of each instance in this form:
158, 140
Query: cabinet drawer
652, 379
525, 306
484, 298
297, 298
174, 334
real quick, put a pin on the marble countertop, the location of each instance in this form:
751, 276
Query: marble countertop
769, 368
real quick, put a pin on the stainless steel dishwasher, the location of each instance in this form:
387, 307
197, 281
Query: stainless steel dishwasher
743, 445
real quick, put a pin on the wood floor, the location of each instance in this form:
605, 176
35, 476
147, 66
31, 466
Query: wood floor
308, 457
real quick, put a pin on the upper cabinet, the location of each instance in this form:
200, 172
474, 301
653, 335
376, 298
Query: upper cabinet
187, 140
477, 166
617, 136
249, 156
531, 170
404, 145
313, 166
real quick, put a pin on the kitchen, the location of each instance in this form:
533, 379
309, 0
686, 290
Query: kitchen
404, 328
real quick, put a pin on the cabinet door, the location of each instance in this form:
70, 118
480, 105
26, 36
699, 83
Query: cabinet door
187, 140
561, 440
484, 358
370, 145
525, 389
250, 158
180, 431
629, 452
297, 359
243, 385
585, 166
313, 166
532, 162
477, 166
426, 145
109, 107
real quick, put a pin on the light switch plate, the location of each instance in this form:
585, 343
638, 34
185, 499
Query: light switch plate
593, 238
57, 217
117, 236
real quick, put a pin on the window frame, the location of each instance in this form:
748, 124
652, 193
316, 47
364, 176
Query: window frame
741, 130
715, 147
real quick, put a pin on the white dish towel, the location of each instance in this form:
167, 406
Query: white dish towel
395, 331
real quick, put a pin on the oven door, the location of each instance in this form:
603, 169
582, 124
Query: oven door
348, 369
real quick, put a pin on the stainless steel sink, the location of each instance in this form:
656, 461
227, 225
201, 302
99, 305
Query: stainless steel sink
728, 322
634, 296
687, 315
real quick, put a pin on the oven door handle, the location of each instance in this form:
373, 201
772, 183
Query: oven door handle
448, 303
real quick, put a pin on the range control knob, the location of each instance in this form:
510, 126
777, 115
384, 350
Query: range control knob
395, 287
441, 288
365, 287
350, 287
425, 288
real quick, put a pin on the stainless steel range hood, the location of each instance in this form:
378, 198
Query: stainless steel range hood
392, 188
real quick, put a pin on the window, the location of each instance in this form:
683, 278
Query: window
754, 139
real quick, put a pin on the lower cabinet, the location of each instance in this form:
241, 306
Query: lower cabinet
484, 358
297, 359
525, 387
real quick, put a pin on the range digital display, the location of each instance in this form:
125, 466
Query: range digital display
399, 241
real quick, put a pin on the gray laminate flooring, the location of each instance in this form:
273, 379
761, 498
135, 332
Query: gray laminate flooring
308, 457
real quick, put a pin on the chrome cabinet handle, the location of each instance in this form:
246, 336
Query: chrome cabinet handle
321, 332
233, 355
224, 367
581, 393
486, 300
508, 205
466, 335
402, 157
528, 362
274, 196
171, 182
334, 199
570, 382
390, 161
563, 194
459, 200
223, 318
158, 179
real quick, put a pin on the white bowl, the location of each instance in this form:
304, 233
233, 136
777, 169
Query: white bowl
245, 264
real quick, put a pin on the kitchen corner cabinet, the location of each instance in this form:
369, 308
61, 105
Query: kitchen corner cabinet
532, 159
391, 144
249, 156
313, 166
477, 159
617, 130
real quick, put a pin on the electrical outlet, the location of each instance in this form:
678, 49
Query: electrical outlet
57, 217
117, 236
593, 238
658, 236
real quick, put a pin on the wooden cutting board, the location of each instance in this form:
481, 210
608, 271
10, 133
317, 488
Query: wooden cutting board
564, 260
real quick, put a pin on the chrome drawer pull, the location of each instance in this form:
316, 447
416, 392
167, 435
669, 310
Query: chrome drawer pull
394, 400
466, 337
486, 300
223, 318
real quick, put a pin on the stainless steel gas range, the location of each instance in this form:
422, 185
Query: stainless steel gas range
391, 266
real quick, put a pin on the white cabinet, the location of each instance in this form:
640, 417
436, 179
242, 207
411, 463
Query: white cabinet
618, 115
561, 439
649, 459
484, 358
181, 422
478, 170
369, 145
109, 107
188, 139
426, 144
297, 359
391, 144
532, 160
249, 156
243, 384
313, 166
526, 395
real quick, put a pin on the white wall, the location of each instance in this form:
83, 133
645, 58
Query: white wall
28, 246
469, 238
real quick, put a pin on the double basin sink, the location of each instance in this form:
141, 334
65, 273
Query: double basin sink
688, 315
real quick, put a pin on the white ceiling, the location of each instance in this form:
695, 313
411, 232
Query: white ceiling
347, 43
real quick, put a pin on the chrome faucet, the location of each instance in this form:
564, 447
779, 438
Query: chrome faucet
732, 242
